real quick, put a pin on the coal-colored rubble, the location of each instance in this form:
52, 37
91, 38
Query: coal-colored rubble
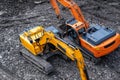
16, 15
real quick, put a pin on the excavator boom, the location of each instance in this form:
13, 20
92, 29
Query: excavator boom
73, 7
36, 39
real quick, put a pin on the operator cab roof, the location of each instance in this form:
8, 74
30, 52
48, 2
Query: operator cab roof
74, 23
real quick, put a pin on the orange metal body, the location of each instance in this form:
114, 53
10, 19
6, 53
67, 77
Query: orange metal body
98, 50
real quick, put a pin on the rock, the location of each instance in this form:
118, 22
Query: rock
113, 3
119, 28
39, 2
2, 12
0, 57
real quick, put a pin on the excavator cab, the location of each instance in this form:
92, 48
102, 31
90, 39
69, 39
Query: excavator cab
74, 29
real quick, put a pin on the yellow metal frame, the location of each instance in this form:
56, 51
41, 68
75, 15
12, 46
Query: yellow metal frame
35, 40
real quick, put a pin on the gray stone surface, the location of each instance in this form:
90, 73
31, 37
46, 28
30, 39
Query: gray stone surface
21, 15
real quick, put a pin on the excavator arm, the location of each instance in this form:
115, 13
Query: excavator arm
73, 53
72, 6
36, 39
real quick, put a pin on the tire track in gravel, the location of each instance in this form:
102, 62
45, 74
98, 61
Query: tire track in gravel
23, 19
26, 18
17, 21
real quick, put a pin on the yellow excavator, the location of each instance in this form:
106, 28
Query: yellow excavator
40, 44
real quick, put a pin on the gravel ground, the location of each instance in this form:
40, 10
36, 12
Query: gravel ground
16, 16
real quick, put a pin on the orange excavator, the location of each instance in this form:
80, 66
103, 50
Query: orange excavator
94, 40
